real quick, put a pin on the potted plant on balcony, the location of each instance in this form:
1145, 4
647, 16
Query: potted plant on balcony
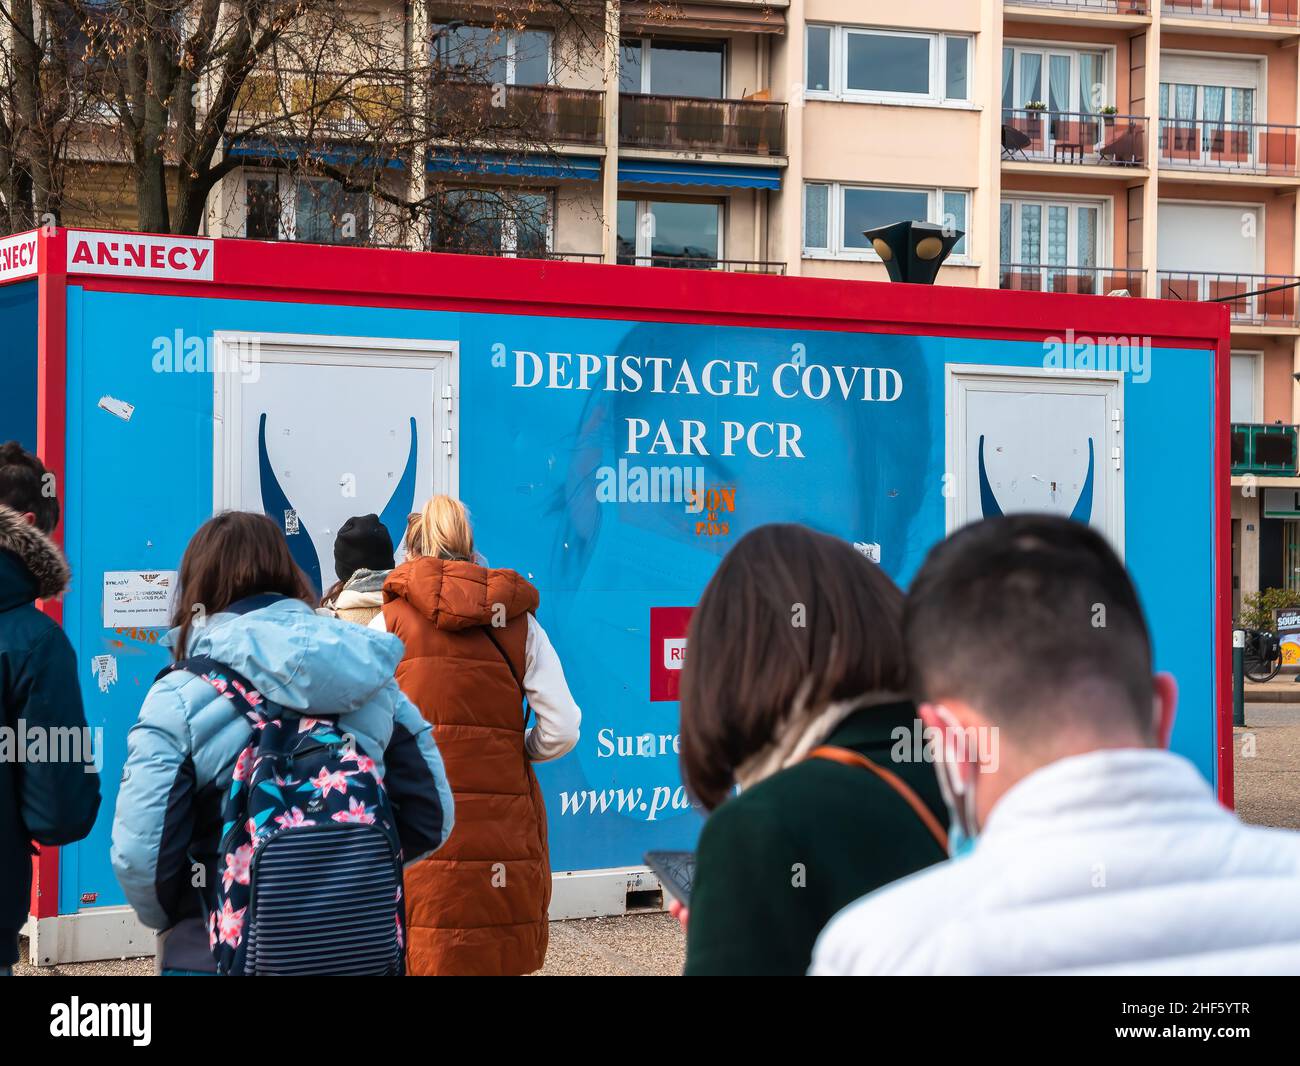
1108, 114
1030, 121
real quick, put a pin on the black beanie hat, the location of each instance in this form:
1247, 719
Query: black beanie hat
363, 543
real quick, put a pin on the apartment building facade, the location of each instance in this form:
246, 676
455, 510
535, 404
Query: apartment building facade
1146, 147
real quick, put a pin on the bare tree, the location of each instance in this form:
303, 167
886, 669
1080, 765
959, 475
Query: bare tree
176, 94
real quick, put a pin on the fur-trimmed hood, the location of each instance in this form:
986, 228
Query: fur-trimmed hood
46, 567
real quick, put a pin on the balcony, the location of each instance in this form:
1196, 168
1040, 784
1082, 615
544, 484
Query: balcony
1263, 450
1258, 12
1033, 135
1101, 7
1081, 280
1229, 147
693, 124
482, 249
1266, 308
546, 114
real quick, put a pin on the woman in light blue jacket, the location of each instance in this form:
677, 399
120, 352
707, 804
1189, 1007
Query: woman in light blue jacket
244, 603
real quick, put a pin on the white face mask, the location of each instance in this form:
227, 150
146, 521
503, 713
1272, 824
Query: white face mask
958, 792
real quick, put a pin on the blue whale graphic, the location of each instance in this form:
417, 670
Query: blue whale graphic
275, 503
990, 507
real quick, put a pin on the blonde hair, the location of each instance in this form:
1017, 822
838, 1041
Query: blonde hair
441, 530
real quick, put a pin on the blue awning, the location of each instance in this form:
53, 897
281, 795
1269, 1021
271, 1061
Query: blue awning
555, 167
657, 172
289, 151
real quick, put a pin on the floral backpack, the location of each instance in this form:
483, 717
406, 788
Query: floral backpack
309, 870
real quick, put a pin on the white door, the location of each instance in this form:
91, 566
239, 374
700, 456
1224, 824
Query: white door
1036, 441
315, 430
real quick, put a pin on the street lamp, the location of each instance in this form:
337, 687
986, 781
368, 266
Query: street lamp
913, 251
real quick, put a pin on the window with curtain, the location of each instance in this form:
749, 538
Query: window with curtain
1051, 233
1058, 235
1066, 80
1031, 233
816, 218
1092, 85
954, 216
1031, 78
1058, 88
1086, 241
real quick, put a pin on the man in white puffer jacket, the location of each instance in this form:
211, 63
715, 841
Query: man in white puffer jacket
1080, 845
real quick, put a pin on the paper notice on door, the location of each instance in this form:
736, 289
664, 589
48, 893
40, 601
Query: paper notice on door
140, 598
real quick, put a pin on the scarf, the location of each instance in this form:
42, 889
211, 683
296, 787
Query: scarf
797, 736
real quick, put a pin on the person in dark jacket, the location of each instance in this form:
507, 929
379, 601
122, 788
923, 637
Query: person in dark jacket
363, 558
51, 800
794, 689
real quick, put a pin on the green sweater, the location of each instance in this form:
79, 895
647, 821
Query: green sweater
778, 861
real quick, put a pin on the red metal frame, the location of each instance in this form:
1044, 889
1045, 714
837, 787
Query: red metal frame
300, 273
51, 446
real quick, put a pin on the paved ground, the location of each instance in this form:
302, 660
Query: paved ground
1267, 761
1266, 758
1282, 689
639, 945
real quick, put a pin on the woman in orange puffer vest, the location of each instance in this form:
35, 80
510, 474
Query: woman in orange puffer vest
474, 650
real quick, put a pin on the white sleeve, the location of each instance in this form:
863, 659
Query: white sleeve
558, 717
378, 623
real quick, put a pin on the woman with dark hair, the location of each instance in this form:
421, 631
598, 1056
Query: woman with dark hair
794, 690
243, 603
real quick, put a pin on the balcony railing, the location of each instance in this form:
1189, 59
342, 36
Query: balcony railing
1258, 448
1233, 147
1265, 12
529, 253
292, 101
1105, 7
551, 114
679, 262
1034, 135
692, 124
1085, 280
1268, 308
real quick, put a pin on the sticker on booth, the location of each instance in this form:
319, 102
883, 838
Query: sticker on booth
138, 598
140, 255
667, 650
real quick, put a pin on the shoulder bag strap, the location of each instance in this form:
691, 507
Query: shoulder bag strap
848, 757
511, 667
233, 686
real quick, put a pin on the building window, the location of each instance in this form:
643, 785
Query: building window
1245, 398
835, 215
1051, 233
492, 222
666, 67
496, 57
314, 210
884, 66
673, 233
1067, 81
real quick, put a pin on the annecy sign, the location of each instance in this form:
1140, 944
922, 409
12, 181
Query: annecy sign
140, 255
18, 256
